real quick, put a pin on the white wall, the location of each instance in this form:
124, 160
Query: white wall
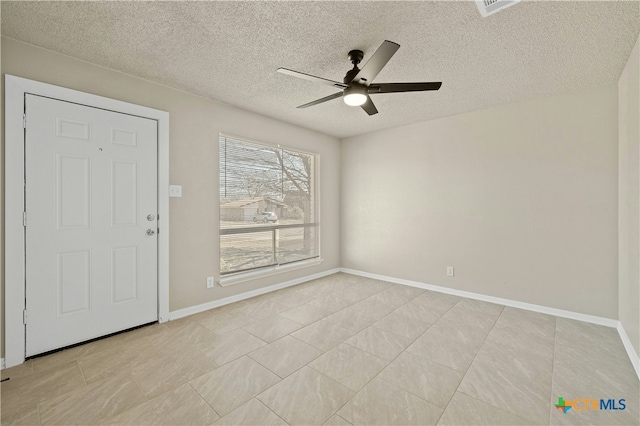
195, 123
521, 199
629, 198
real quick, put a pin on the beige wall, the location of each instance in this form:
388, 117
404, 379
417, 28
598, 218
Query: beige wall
629, 198
521, 199
194, 126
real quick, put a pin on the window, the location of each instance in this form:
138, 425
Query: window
268, 206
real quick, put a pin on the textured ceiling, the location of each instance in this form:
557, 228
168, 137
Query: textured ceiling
229, 51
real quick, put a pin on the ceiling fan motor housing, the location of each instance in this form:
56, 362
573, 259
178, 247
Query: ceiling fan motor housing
355, 56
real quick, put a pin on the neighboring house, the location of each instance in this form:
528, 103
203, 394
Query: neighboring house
279, 208
240, 210
248, 208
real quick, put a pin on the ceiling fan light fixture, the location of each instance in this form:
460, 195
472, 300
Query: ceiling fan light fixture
355, 96
357, 83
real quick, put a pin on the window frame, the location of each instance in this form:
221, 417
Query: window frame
264, 271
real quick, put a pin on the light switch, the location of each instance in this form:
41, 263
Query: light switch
175, 191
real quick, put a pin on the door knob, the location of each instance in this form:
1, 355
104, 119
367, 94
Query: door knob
151, 231
151, 217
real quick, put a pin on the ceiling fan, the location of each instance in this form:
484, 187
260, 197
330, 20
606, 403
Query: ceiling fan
358, 83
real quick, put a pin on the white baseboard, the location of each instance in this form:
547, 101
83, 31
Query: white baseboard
181, 313
631, 352
608, 322
2, 364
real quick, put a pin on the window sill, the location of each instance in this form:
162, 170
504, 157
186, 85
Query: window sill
272, 270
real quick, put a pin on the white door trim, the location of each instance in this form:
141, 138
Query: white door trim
14, 249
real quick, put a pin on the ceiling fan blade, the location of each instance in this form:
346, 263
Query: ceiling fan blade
369, 107
375, 64
403, 87
312, 78
321, 100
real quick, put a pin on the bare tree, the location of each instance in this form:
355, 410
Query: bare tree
297, 171
253, 170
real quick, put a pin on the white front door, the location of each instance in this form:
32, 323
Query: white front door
91, 223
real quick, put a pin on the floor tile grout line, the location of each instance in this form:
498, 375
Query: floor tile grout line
84, 379
205, 401
307, 365
233, 359
484, 341
335, 380
435, 322
293, 372
389, 363
262, 365
63, 394
480, 349
335, 413
269, 408
267, 343
135, 379
146, 397
355, 393
320, 319
464, 374
254, 335
556, 347
319, 372
298, 322
322, 349
254, 396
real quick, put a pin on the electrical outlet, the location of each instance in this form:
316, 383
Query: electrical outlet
210, 282
450, 271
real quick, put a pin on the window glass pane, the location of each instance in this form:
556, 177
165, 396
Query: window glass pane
298, 170
267, 205
241, 252
249, 173
296, 244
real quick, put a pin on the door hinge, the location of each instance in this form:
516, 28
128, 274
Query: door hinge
24, 317
24, 219
24, 121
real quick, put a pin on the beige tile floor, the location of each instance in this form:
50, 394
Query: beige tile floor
339, 350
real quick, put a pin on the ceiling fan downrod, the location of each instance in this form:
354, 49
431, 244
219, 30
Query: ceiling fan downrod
355, 56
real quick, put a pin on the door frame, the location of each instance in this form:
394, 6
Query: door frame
14, 168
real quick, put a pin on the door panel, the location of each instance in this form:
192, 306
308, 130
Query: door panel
91, 181
73, 282
124, 274
73, 185
123, 193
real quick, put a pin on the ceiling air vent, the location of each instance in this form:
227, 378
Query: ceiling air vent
489, 7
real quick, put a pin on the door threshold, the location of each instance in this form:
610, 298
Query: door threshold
106, 336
